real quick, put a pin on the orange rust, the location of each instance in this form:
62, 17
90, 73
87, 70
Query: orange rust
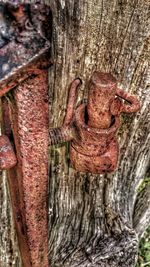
7, 156
29, 118
92, 127
23, 66
96, 148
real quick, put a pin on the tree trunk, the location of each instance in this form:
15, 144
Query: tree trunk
95, 220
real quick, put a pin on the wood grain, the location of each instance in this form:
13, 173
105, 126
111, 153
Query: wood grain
91, 216
86, 211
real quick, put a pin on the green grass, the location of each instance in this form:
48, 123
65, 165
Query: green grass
144, 250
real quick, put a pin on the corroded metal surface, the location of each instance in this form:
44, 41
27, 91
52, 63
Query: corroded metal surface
30, 128
21, 45
67, 131
93, 126
24, 61
7, 156
29, 179
96, 148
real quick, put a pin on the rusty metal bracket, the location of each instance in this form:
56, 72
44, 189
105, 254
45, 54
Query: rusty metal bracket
24, 60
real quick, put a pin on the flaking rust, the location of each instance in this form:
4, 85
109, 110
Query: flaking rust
24, 53
96, 148
7, 156
93, 126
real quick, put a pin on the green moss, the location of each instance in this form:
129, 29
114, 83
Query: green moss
144, 250
143, 184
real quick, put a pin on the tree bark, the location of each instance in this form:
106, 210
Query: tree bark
95, 220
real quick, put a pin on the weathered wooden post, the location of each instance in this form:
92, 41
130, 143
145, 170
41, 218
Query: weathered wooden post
95, 220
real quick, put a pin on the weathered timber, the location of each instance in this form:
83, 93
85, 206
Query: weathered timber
95, 220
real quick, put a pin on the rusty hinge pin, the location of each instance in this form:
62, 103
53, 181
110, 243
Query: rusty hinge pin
93, 126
